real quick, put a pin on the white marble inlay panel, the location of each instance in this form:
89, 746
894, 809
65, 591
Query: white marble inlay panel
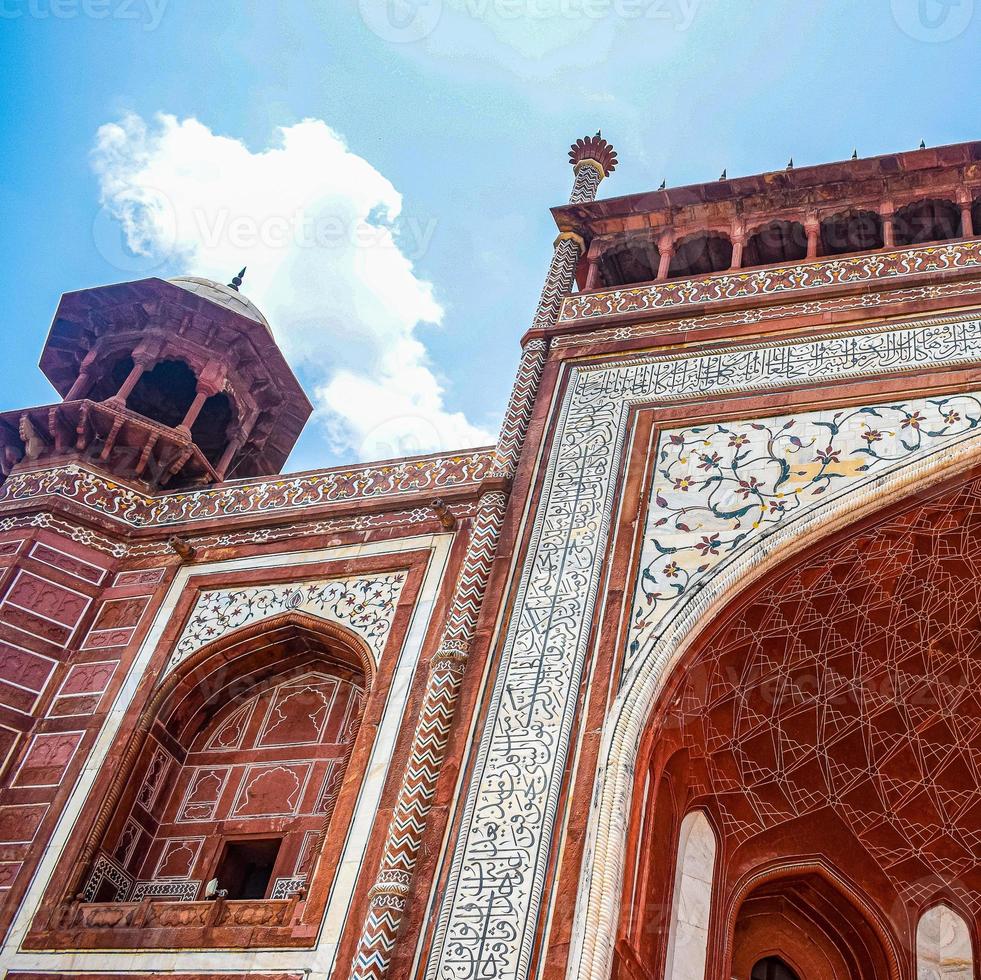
364, 604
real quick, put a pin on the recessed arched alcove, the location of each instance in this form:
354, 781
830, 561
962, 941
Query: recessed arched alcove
851, 231
700, 255
927, 221
235, 768
827, 722
777, 241
801, 927
634, 260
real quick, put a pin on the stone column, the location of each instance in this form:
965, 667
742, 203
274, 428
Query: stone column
812, 227
886, 212
738, 237
592, 159
967, 221
593, 273
665, 247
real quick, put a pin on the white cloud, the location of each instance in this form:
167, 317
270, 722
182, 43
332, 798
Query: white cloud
329, 263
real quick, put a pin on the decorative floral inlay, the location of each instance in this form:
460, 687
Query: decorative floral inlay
426, 475
365, 604
752, 283
717, 486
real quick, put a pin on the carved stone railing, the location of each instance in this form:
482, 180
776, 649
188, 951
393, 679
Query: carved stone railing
152, 913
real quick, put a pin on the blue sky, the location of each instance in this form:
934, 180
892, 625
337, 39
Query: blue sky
434, 143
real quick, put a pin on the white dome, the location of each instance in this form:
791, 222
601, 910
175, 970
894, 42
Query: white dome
222, 295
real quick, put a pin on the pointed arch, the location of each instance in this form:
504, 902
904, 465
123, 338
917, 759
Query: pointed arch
944, 950
602, 874
211, 684
825, 911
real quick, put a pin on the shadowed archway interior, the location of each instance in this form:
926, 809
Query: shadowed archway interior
831, 716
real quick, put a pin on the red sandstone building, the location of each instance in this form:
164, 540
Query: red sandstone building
679, 680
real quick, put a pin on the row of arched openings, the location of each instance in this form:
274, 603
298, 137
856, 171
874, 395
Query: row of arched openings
944, 950
638, 259
164, 393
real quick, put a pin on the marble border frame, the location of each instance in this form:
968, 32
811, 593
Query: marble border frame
614, 386
316, 961
597, 914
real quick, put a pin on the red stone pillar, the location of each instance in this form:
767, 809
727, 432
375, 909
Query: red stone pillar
967, 221
211, 381
886, 212
84, 380
738, 237
593, 273
666, 248
812, 227
126, 388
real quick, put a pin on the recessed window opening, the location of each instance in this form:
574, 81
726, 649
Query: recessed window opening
246, 867
773, 968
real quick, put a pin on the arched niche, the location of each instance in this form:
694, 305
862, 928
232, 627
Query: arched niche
236, 762
632, 260
919, 543
851, 231
777, 241
700, 255
691, 902
943, 946
927, 221
802, 925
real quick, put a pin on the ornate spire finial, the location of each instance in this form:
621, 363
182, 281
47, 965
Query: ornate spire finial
237, 280
723, 176
855, 153
922, 145
664, 183
595, 149
790, 164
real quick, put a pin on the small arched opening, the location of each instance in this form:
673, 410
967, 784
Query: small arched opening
701, 255
210, 429
851, 231
772, 968
927, 221
691, 903
778, 241
164, 393
944, 950
633, 261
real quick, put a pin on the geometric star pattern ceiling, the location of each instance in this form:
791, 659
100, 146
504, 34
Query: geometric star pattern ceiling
854, 682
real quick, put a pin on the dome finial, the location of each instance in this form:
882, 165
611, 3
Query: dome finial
237, 280
596, 149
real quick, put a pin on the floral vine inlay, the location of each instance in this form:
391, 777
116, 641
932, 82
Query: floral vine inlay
365, 605
717, 485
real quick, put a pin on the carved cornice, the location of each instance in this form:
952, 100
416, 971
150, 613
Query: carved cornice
281, 495
754, 284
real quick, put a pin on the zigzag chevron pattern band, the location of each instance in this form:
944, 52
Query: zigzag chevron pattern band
388, 896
